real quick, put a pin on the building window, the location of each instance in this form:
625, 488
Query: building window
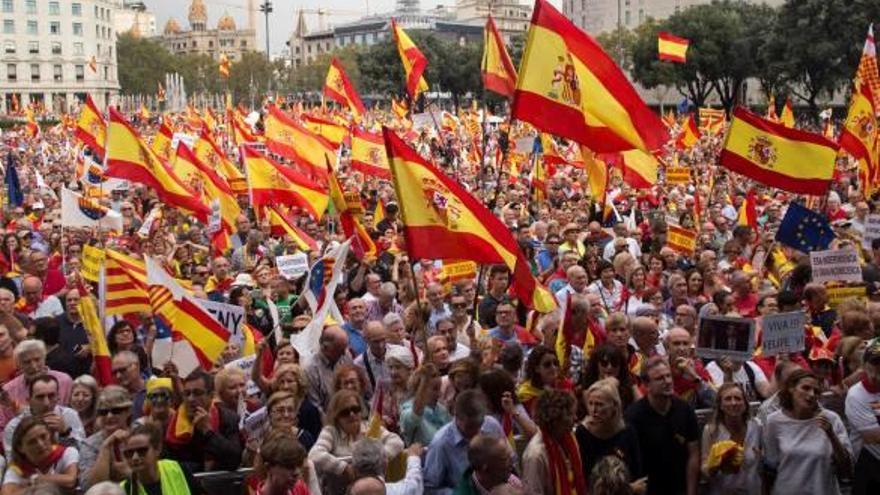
35, 72
627, 18
77, 29
9, 47
78, 48
55, 27
8, 6
30, 6
54, 8
80, 71
76, 9
12, 72
244, 43
210, 44
32, 27
56, 48
34, 47
57, 73
106, 73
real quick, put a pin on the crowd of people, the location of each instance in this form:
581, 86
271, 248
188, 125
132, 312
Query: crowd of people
434, 386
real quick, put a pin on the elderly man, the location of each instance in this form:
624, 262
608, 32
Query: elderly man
577, 284
621, 234
373, 360
686, 317
218, 284
372, 283
245, 258
52, 281
691, 381
507, 330
319, 370
30, 358
127, 373
354, 326
646, 337
744, 298
243, 227
62, 421
491, 465
7, 361
368, 459
37, 304
678, 294
437, 307
384, 303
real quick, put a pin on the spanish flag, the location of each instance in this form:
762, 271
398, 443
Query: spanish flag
93, 64
91, 129
399, 108
128, 157
161, 145
368, 154
690, 134
639, 169
672, 48
98, 341
279, 226
499, 74
787, 117
748, 213
362, 245
215, 189
224, 66
144, 113
859, 135
331, 131
209, 153
378, 215
294, 142
338, 87
568, 335
241, 131
597, 175
414, 63
272, 183
771, 109
770, 153
569, 87
126, 279
443, 221
33, 129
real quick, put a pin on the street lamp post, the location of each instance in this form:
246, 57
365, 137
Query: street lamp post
266, 9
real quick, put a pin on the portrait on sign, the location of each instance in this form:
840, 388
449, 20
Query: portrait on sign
720, 336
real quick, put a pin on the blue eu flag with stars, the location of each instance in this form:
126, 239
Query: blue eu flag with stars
804, 229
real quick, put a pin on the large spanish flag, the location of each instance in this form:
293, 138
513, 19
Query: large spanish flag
332, 132
272, 183
672, 48
291, 140
128, 157
241, 131
368, 154
91, 128
443, 221
768, 152
690, 134
88, 311
860, 136
414, 62
162, 140
338, 87
209, 153
362, 244
639, 169
214, 188
499, 74
568, 86
280, 225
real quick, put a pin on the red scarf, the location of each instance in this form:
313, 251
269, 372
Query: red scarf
567, 480
180, 428
871, 388
27, 469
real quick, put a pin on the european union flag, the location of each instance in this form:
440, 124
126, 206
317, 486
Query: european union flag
13, 186
804, 229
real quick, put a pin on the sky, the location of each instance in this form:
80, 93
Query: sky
282, 19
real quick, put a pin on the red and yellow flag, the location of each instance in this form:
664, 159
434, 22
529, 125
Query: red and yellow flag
93, 64
639, 169
91, 129
443, 221
399, 108
216, 191
88, 311
499, 74
338, 87
280, 225
787, 117
368, 154
209, 153
569, 87
414, 63
128, 157
272, 183
362, 244
126, 279
859, 135
771, 109
748, 212
241, 131
690, 134
333, 132
33, 129
224, 66
681, 240
597, 175
161, 145
770, 153
672, 48
291, 140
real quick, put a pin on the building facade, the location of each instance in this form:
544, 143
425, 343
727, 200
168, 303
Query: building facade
226, 38
511, 17
134, 18
56, 52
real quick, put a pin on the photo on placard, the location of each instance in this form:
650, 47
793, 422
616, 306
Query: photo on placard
720, 336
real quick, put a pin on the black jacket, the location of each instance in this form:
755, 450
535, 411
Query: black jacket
223, 447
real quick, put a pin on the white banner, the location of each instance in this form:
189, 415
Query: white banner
229, 315
836, 265
77, 211
782, 333
872, 230
292, 266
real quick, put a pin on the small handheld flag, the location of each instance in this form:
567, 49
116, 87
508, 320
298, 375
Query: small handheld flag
804, 229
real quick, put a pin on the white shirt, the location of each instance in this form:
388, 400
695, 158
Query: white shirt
631, 245
69, 458
739, 376
748, 479
411, 484
50, 307
70, 417
862, 418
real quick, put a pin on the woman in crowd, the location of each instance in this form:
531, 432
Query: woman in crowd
283, 468
656, 276
37, 459
696, 289
281, 411
609, 289
288, 378
607, 361
542, 374
350, 377
422, 415
551, 463
333, 449
635, 289
259, 319
500, 390
463, 375
229, 384
390, 393
149, 471
100, 457
83, 400
122, 338
805, 447
731, 421
602, 432
285, 353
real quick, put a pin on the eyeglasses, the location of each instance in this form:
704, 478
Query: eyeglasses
348, 411
159, 397
194, 393
115, 411
550, 364
459, 305
284, 411
140, 451
119, 371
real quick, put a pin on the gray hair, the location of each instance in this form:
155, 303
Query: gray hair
128, 356
368, 458
27, 347
105, 488
8, 292
391, 319
482, 449
388, 289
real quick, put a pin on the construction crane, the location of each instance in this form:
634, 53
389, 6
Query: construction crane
323, 12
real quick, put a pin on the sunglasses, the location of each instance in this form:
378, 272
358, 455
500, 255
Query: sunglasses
348, 411
140, 451
159, 397
115, 411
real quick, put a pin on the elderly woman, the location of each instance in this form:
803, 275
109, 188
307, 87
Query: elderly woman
551, 463
37, 459
288, 378
542, 374
350, 377
281, 411
332, 452
100, 453
731, 421
390, 393
805, 447
84, 399
463, 375
422, 415
229, 384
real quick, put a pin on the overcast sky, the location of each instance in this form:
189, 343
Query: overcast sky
281, 21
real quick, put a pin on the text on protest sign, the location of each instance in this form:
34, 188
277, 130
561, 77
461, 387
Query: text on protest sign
292, 266
229, 315
782, 333
872, 230
837, 295
836, 265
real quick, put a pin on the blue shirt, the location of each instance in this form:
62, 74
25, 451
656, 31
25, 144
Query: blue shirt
356, 341
545, 259
447, 460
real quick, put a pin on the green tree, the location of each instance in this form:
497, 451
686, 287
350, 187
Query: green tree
619, 44
251, 77
143, 63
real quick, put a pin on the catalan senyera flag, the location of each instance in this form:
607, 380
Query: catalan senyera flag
681, 240
272, 183
126, 279
144, 112
88, 311
280, 225
91, 129
209, 153
770, 153
499, 74
338, 87
639, 169
333, 132
368, 154
690, 134
569, 87
291, 140
787, 117
712, 119
672, 48
162, 140
224, 66
859, 135
414, 62
128, 157
443, 221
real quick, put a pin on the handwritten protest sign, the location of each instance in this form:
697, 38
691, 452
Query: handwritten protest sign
293, 265
836, 265
782, 333
837, 295
872, 230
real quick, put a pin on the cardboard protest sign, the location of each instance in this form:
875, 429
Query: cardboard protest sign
836, 265
872, 230
293, 265
837, 295
782, 333
720, 336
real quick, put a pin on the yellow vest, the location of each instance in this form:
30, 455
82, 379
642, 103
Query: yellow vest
171, 479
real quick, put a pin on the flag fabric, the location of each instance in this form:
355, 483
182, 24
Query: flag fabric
362, 244
859, 135
378, 215
88, 311
690, 134
368, 154
160, 92
804, 229
569, 87
338, 87
639, 169
78, 211
712, 120
771, 109
91, 129
128, 157
241, 130
93, 64
224, 66
216, 191
443, 221
333, 132
770, 153
672, 48
279, 225
162, 140
33, 129
497, 70
681, 240
209, 153
144, 112
320, 285
568, 335
748, 213
868, 69
309, 151
126, 284
414, 62
597, 175
272, 183
14, 194
399, 108
787, 117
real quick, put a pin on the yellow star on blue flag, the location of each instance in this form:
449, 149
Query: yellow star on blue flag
804, 229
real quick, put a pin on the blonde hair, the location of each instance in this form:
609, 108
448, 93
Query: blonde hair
607, 387
302, 383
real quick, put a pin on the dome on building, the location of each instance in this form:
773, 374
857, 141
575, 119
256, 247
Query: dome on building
198, 12
172, 27
226, 23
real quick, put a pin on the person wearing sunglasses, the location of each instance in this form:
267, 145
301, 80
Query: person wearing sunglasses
159, 403
333, 451
101, 454
147, 473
